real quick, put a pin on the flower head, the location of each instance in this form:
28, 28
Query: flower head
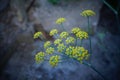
75, 30
57, 41
50, 50
78, 53
61, 47
82, 35
87, 13
54, 60
37, 34
47, 44
39, 57
53, 32
70, 40
64, 34
69, 51
60, 20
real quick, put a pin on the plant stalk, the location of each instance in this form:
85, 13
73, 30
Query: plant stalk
81, 43
115, 11
63, 27
94, 69
90, 44
110, 6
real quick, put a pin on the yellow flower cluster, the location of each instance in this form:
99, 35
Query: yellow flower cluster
70, 40
37, 34
39, 57
50, 50
60, 20
61, 47
78, 53
63, 43
82, 35
75, 30
54, 60
53, 32
57, 41
64, 34
87, 13
47, 44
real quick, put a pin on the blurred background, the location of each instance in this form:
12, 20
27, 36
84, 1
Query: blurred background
20, 19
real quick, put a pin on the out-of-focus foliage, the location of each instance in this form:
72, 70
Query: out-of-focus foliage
54, 1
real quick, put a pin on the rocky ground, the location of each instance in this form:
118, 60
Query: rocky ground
22, 66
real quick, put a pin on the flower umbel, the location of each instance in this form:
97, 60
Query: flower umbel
78, 53
82, 35
75, 30
39, 57
47, 44
37, 34
64, 34
61, 47
53, 32
54, 60
70, 40
57, 41
87, 13
50, 50
60, 20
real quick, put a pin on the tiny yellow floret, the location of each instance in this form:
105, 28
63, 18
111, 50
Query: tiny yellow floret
87, 13
75, 30
39, 57
57, 41
37, 35
64, 34
47, 44
50, 50
82, 35
54, 60
53, 32
60, 20
61, 47
70, 40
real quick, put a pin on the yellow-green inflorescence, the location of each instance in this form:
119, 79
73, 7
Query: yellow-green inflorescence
53, 32
49, 50
82, 35
57, 41
47, 44
39, 57
70, 40
79, 33
60, 20
54, 60
78, 53
75, 30
65, 43
61, 47
37, 35
64, 34
87, 13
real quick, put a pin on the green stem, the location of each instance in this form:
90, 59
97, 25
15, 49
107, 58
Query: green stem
76, 42
90, 46
110, 7
63, 27
94, 69
81, 42
115, 11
